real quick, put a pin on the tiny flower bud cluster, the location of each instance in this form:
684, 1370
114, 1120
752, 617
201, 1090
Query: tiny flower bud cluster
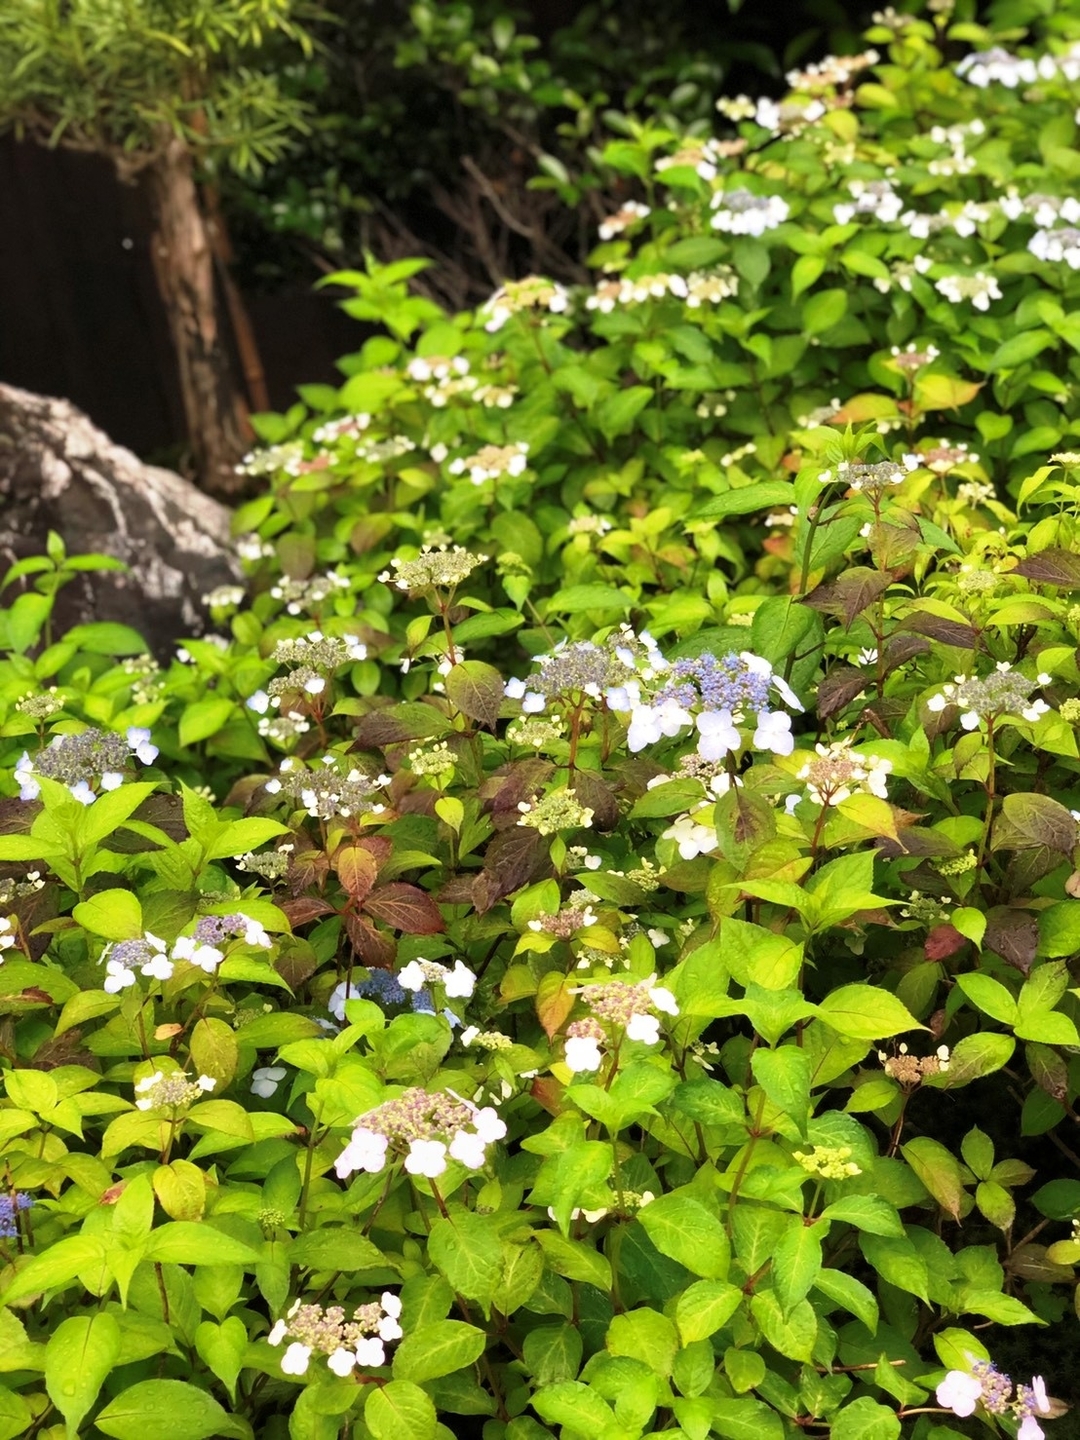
1003, 691
485, 1039
40, 707
12, 889
81, 762
870, 479
173, 1091
912, 1069
559, 810
325, 792
306, 596
428, 1128
837, 773
830, 1162
440, 569
535, 731
360, 1341
987, 1387
577, 914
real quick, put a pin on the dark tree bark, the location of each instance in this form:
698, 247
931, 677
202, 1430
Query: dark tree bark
184, 264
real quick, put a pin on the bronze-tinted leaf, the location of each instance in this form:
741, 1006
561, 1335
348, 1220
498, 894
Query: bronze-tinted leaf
1031, 822
941, 629
477, 690
902, 647
406, 908
1052, 567
839, 687
374, 947
511, 861
357, 869
393, 724
503, 791
305, 908
850, 593
1014, 935
593, 792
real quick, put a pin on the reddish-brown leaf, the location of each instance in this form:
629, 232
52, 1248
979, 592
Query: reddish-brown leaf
597, 796
941, 629
850, 593
374, 947
1052, 567
547, 1092
509, 785
1014, 935
511, 861
356, 870
839, 687
304, 909
411, 720
406, 908
555, 998
477, 691
942, 942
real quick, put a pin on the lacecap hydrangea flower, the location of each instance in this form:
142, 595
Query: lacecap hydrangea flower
425, 1130
346, 1344
87, 762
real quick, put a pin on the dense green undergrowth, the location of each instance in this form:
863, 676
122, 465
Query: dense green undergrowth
588, 946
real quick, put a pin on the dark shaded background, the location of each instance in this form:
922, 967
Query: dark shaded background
80, 315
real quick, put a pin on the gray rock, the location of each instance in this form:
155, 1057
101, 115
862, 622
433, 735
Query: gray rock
59, 472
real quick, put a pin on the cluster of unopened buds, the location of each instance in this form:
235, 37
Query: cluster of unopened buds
425, 1130
984, 1387
92, 758
346, 1344
836, 773
828, 1162
171, 1091
155, 960
1003, 692
913, 1069
632, 1008
435, 568
325, 792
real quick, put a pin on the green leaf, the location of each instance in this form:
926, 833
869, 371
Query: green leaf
165, 1409
796, 1262
223, 1347
112, 914
616, 415
55, 1267
1020, 348
866, 1212
784, 1075
843, 1289
336, 1247
864, 1419
746, 1420
16, 1417
468, 1252
989, 996
747, 500
865, 1012
437, 1349
684, 1230
400, 1410
203, 718
572, 1404
240, 836
939, 1170
192, 1242
80, 1354
704, 1307
824, 310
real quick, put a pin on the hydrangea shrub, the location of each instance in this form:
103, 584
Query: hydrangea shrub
586, 946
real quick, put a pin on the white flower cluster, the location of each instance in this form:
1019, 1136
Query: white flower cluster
997, 66
979, 288
836, 773
701, 287
171, 1091
634, 1009
348, 427
1044, 210
701, 156
154, 960
1003, 692
628, 215
958, 162
738, 212
428, 1128
458, 983
1051, 245
491, 461
8, 931
869, 197
346, 1344
532, 293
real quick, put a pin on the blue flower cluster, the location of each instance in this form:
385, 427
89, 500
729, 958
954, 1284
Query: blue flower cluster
10, 1206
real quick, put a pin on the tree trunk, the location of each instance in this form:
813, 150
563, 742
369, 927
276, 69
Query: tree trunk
184, 265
